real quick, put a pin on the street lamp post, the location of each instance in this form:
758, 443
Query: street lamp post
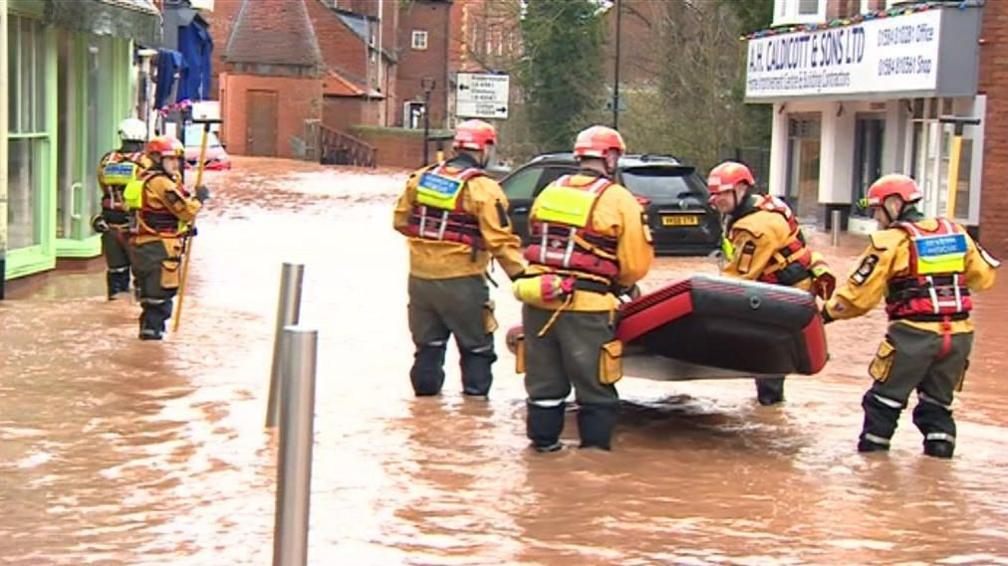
427, 83
615, 100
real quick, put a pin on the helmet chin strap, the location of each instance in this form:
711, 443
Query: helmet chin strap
889, 216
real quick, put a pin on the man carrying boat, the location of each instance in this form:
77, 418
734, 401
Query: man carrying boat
764, 243
925, 268
590, 241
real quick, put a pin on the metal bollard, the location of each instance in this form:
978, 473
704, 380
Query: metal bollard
294, 460
835, 218
288, 313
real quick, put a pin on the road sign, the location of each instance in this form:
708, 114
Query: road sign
481, 95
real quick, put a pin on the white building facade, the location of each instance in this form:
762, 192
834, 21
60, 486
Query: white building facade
864, 95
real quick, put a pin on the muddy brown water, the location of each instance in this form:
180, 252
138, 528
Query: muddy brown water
114, 451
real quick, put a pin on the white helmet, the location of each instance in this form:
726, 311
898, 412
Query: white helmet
132, 129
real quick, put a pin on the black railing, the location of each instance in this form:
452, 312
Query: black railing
338, 148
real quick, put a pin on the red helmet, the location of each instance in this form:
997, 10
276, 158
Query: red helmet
598, 141
165, 146
727, 175
474, 134
893, 184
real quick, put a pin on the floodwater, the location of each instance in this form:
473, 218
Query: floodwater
114, 451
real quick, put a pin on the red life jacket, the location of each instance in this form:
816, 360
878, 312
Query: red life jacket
570, 247
793, 262
934, 289
154, 221
448, 221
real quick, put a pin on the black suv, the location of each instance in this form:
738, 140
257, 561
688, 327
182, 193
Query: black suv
674, 196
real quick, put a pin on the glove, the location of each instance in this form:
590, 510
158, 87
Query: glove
632, 291
202, 193
99, 224
823, 280
824, 285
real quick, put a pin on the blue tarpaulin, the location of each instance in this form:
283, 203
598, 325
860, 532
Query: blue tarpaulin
168, 63
196, 46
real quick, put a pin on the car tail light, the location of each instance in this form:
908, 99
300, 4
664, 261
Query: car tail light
644, 201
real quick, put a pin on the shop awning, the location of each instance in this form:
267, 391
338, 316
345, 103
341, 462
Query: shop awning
138, 20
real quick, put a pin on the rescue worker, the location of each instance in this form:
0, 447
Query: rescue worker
590, 243
162, 214
764, 243
925, 269
455, 217
115, 170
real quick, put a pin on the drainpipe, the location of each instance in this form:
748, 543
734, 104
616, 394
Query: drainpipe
3, 148
447, 56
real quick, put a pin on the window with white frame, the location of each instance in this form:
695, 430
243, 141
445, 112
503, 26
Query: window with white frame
799, 11
419, 39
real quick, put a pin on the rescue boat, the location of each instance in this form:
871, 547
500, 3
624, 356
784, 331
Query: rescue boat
708, 327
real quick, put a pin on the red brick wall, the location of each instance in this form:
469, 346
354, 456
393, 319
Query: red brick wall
397, 148
339, 113
298, 99
414, 64
993, 82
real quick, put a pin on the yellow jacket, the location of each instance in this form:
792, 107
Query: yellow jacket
162, 194
617, 214
888, 257
757, 238
113, 193
483, 198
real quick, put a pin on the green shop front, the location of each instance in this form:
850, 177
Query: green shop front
69, 78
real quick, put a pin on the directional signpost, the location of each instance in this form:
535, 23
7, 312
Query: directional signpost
482, 96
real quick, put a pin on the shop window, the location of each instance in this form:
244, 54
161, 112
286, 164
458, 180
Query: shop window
23, 181
803, 165
27, 136
930, 156
26, 76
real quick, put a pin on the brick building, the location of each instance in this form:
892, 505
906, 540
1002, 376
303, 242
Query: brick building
859, 88
424, 42
273, 88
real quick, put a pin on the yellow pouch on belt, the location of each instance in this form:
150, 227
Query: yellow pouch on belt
520, 354
170, 266
489, 320
170, 274
611, 362
882, 364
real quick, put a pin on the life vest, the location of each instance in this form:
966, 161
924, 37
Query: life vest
562, 237
117, 171
934, 289
438, 214
792, 263
155, 221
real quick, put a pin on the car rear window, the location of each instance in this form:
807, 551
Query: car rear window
655, 182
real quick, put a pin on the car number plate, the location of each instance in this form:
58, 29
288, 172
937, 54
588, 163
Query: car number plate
681, 220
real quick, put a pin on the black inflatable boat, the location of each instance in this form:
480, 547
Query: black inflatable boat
713, 327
